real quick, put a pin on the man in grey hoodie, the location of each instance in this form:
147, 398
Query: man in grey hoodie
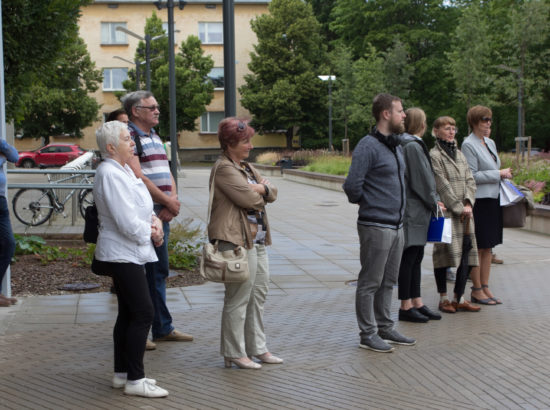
376, 183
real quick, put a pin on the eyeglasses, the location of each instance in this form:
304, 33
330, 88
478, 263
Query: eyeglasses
149, 107
451, 128
241, 126
487, 119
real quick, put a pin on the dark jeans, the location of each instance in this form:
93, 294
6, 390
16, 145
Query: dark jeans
7, 241
409, 273
135, 315
460, 282
157, 272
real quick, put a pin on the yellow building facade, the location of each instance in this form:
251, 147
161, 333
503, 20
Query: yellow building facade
200, 18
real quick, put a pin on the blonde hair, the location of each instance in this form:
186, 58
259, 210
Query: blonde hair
415, 121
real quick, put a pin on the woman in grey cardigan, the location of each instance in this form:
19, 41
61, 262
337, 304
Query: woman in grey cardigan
422, 202
481, 154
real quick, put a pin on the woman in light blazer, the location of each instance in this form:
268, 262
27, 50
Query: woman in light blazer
238, 218
481, 153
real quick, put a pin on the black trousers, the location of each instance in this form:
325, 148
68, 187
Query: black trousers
135, 315
409, 272
460, 283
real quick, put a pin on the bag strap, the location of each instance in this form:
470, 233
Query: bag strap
211, 194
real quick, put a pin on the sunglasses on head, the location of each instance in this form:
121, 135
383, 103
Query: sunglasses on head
487, 119
241, 126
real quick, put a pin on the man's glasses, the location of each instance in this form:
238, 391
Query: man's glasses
487, 119
149, 107
241, 126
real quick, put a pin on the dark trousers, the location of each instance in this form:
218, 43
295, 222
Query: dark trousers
7, 242
135, 315
409, 273
460, 283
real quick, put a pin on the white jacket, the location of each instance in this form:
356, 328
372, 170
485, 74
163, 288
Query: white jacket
125, 208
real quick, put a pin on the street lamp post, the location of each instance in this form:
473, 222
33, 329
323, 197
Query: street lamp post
521, 129
147, 40
330, 79
137, 63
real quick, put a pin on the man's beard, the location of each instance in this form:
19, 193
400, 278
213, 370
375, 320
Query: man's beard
397, 128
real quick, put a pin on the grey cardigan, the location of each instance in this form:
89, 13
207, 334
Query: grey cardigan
485, 170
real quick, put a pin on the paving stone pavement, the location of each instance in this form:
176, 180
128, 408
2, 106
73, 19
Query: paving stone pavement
56, 351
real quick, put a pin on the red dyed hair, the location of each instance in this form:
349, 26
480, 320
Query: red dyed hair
231, 130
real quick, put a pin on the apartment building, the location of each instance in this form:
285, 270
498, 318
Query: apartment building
204, 19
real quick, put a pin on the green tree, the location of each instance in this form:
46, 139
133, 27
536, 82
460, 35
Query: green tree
194, 91
398, 71
36, 33
283, 91
60, 105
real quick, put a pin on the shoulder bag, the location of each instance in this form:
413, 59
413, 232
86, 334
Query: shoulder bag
91, 224
229, 266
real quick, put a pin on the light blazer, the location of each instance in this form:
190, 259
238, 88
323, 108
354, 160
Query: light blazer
232, 198
485, 170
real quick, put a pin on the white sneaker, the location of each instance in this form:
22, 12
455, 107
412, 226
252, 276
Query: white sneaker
144, 389
120, 382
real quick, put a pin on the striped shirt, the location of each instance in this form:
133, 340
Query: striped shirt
153, 160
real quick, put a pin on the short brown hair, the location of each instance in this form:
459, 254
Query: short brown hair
231, 130
415, 121
382, 102
441, 122
476, 113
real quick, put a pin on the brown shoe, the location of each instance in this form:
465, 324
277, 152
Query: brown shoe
175, 336
150, 345
466, 306
496, 260
447, 307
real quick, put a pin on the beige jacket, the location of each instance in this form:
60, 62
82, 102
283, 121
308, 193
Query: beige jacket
232, 198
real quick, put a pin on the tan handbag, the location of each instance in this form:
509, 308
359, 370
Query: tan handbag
229, 266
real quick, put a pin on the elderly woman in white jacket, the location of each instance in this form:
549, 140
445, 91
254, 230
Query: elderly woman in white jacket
127, 232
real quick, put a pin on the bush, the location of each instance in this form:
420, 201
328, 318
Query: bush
184, 245
332, 165
535, 176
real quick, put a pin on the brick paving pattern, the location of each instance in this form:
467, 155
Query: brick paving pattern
56, 351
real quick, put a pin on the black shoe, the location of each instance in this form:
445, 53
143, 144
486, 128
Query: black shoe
430, 314
412, 315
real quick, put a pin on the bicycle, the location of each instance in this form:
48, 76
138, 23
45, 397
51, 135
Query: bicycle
34, 206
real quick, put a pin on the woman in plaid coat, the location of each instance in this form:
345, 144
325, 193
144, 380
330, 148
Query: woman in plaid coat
456, 188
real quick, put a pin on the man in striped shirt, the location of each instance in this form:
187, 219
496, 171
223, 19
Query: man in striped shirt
151, 165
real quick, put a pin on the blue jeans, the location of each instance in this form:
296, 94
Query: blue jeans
7, 241
157, 272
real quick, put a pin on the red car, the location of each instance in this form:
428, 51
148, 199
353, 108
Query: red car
52, 155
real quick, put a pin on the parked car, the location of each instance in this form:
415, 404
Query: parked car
51, 155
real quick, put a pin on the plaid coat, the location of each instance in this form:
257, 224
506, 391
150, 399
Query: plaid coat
455, 184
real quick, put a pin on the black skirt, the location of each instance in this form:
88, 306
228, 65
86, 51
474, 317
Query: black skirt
488, 222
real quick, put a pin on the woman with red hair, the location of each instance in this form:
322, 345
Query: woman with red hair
238, 218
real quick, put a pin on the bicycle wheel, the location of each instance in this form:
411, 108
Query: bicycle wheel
85, 199
32, 206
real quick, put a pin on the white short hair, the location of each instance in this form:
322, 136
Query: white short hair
109, 133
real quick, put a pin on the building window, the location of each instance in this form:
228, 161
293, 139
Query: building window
210, 121
165, 27
216, 76
211, 33
110, 35
113, 78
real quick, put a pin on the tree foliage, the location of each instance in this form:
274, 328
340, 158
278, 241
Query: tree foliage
194, 91
37, 36
283, 91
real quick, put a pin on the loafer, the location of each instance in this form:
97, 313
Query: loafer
466, 307
412, 315
150, 345
394, 337
376, 344
144, 389
447, 307
174, 336
269, 358
430, 314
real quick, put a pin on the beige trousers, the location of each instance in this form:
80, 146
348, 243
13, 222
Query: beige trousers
243, 309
